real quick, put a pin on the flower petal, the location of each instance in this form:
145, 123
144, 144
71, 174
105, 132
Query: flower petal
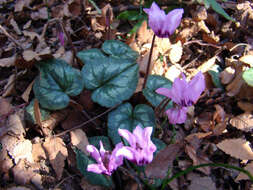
102, 150
96, 168
115, 160
196, 87
173, 20
163, 91
176, 115
156, 19
94, 153
127, 152
128, 136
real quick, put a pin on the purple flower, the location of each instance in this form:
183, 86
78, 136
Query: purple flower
61, 38
163, 25
106, 162
184, 94
141, 147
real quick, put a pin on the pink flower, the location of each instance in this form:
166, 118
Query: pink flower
163, 25
61, 38
106, 162
141, 147
184, 94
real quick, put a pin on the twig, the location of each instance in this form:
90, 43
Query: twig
201, 43
10, 37
83, 124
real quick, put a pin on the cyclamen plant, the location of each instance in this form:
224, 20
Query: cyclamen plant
184, 94
140, 151
162, 25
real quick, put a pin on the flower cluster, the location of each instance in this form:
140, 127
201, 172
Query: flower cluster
140, 151
163, 25
184, 94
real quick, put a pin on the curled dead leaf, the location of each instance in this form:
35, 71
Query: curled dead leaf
243, 122
238, 148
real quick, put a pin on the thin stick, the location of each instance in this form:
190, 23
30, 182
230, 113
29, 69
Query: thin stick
10, 37
83, 124
149, 63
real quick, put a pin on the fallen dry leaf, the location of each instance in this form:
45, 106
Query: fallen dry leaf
243, 176
198, 159
247, 59
18, 188
243, 122
245, 106
227, 75
176, 52
57, 153
144, 35
202, 183
238, 148
9, 88
26, 93
85, 185
8, 62
38, 152
158, 168
22, 174
198, 135
80, 140
5, 106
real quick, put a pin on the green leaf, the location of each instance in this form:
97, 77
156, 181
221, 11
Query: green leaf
125, 117
248, 76
216, 6
96, 179
56, 82
90, 55
119, 50
30, 113
129, 15
153, 83
113, 78
215, 74
105, 140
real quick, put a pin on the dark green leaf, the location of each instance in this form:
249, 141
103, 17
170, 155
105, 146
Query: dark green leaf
112, 80
129, 15
119, 50
153, 83
56, 82
248, 76
96, 179
105, 140
91, 55
125, 117
216, 6
215, 74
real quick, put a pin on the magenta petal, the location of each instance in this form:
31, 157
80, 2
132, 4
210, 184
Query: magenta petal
94, 153
176, 115
177, 92
173, 20
126, 152
196, 87
115, 160
96, 168
128, 136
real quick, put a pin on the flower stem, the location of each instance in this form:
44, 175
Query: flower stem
149, 62
186, 171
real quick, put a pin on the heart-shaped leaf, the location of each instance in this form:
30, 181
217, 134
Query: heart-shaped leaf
105, 140
248, 76
96, 179
56, 82
113, 78
153, 83
125, 117
119, 49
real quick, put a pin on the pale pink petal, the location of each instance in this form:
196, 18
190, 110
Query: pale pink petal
163, 91
116, 161
102, 150
138, 133
147, 136
177, 115
128, 136
94, 153
96, 168
126, 152
173, 20
196, 87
